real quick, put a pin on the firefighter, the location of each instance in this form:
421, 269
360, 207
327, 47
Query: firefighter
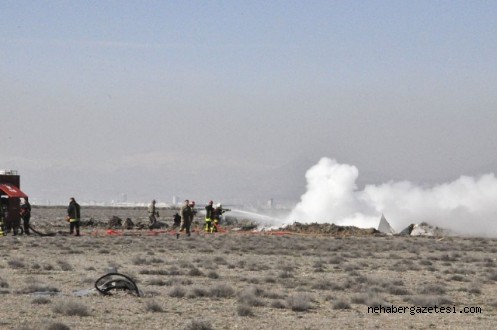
176, 219
186, 217
152, 213
73, 216
2, 220
209, 209
216, 217
26, 215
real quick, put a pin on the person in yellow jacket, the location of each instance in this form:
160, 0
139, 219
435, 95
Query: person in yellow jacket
209, 211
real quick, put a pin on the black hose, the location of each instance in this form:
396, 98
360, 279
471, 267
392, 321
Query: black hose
40, 233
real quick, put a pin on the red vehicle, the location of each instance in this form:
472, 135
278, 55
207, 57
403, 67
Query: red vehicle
10, 200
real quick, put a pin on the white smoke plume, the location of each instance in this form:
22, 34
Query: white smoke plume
467, 205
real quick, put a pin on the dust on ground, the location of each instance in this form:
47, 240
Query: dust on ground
242, 279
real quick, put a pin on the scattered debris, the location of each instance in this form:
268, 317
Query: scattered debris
115, 222
116, 281
384, 227
128, 224
425, 229
407, 231
329, 229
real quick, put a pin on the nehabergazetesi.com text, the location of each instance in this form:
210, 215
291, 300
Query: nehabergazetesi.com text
423, 310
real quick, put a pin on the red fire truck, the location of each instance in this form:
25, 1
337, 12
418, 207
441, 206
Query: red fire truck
10, 200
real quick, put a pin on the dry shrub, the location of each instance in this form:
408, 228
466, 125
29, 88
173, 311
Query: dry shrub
199, 325
269, 279
41, 301
137, 261
244, 310
250, 296
32, 288
222, 291
71, 308
174, 271
197, 292
58, 326
48, 267
3, 283
158, 282
219, 260
177, 292
16, 264
398, 291
371, 299
432, 288
340, 304
299, 302
272, 295
195, 272
324, 284
429, 300
213, 275
278, 304
64, 265
154, 307
458, 278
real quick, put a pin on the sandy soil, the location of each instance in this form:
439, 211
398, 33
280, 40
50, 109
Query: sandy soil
236, 280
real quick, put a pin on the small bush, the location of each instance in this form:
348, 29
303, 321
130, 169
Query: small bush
341, 305
64, 265
429, 300
71, 308
154, 307
278, 304
244, 310
299, 302
58, 326
41, 301
458, 278
158, 282
213, 275
249, 297
32, 288
177, 292
137, 260
432, 289
199, 325
195, 272
16, 264
222, 291
3, 283
197, 292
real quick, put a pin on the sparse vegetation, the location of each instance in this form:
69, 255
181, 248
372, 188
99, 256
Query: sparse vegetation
153, 306
249, 278
70, 308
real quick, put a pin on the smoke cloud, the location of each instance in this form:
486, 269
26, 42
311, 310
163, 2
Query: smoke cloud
467, 205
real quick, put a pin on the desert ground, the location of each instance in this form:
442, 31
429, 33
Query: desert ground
240, 279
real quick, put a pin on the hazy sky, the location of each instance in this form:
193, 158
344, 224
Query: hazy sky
234, 100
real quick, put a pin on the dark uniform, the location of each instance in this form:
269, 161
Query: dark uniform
73, 215
26, 215
186, 218
176, 220
152, 213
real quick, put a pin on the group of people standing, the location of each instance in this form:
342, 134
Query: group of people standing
212, 217
73, 217
15, 224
